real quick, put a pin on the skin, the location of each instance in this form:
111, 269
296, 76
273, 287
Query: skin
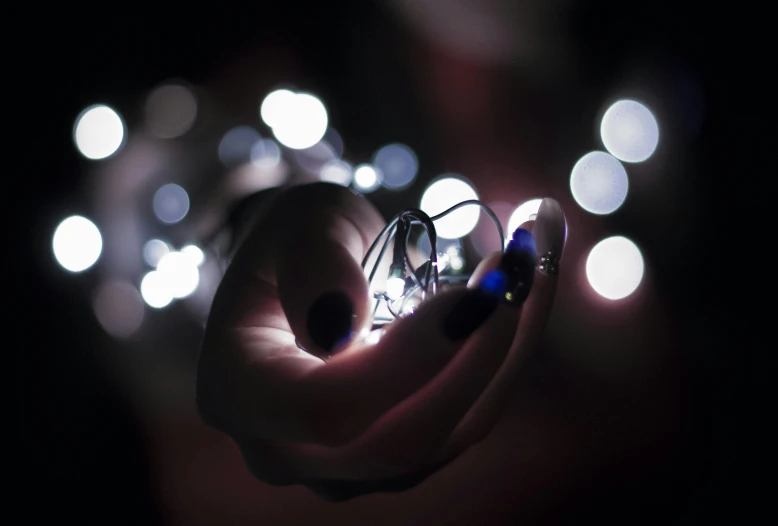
404, 406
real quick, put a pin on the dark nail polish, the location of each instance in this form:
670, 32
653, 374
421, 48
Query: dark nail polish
469, 313
330, 320
518, 266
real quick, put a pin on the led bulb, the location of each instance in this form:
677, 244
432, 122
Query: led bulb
395, 287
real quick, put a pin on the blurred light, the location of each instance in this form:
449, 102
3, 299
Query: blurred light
119, 308
194, 253
629, 131
180, 274
614, 267
395, 287
154, 250
265, 154
312, 159
366, 178
171, 203
457, 263
77, 243
275, 106
410, 306
155, 291
236, 145
398, 165
442, 195
334, 139
99, 132
170, 111
526, 211
336, 171
374, 337
599, 183
298, 120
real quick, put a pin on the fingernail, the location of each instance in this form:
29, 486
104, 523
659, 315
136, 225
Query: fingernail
469, 313
550, 232
518, 266
330, 320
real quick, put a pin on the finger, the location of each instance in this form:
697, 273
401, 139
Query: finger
549, 231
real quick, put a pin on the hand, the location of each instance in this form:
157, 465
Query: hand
371, 418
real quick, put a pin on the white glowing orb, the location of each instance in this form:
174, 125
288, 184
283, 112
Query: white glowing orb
180, 274
398, 164
457, 263
194, 253
77, 243
366, 178
374, 337
171, 203
395, 287
599, 183
99, 132
275, 105
615, 267
154, 250
526, 211
445, 193
119, 308
170, 111
265, 154
337, 171
629, 131
155, 290
298, 120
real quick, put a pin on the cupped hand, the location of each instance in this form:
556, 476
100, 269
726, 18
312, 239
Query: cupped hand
306, 402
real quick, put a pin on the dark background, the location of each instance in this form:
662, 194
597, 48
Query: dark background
81, 453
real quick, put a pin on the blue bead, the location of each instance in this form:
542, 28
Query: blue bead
523, 241
495, 283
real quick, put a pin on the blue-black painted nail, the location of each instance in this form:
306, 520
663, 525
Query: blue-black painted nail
330, 320
518, 266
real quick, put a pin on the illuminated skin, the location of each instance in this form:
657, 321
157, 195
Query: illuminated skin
370, 413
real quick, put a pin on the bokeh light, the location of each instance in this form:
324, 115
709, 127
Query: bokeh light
180, 274
366, 178
155, 291
171, 203
398, 165
77, 243
119, 308
195, 254
615, 267
98, 132
265, 154
337, 171
154, 250
629, 131
599, 183
236, 145
523, 213
298, 120
170, 111
445, 193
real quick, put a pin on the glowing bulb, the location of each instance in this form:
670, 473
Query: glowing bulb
615, 268
337, 172
77, 243
374, 337
445, 193
599, 183
629, 131
180, 274
155, 290
395, 287
366, 178
457, 263
275, 106
298, 122
195, 254
99, 132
